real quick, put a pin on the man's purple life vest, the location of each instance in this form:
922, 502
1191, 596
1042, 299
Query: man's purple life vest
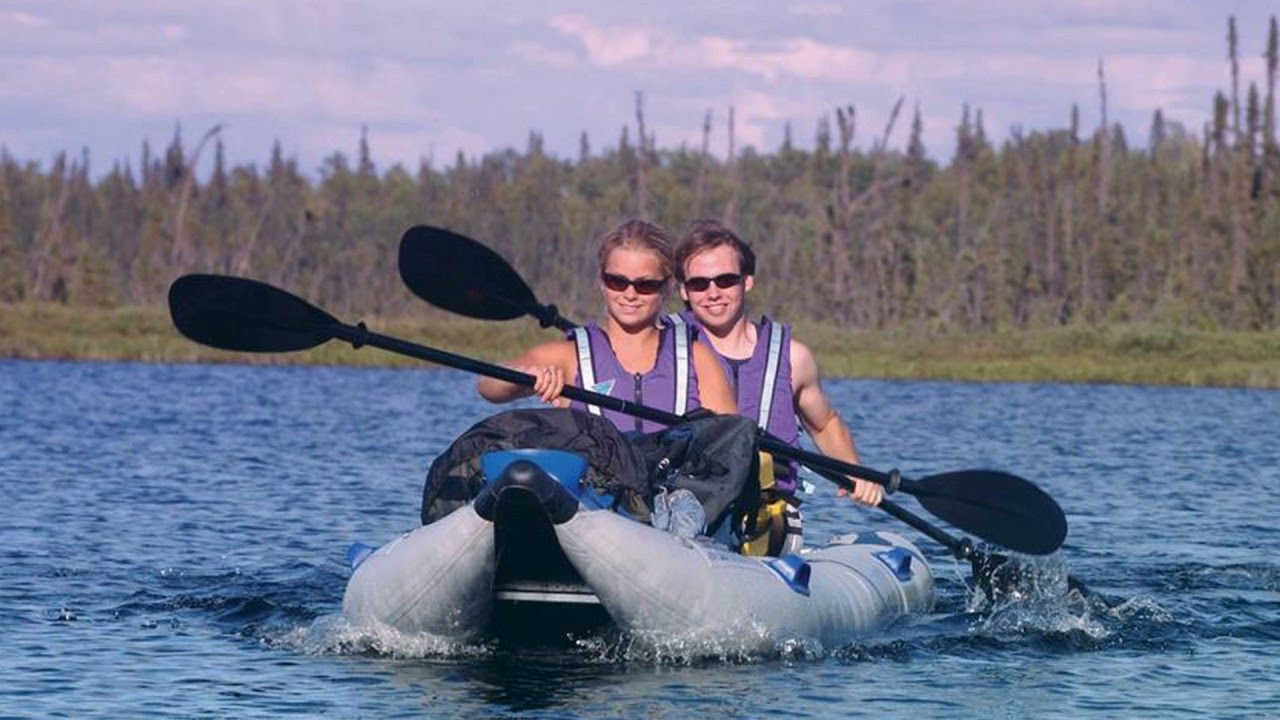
762, 387
671, 385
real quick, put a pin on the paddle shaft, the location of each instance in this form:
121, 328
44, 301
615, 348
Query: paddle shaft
836, 470
961, 548
247, 315
830, 468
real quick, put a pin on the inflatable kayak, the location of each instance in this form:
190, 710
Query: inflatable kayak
539, 553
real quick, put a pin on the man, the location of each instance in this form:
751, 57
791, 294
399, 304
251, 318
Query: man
775, 377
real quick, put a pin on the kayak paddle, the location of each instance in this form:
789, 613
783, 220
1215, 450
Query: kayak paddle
239, 314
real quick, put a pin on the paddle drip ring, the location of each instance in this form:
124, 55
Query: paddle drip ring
895, 480
547, 316
360, 340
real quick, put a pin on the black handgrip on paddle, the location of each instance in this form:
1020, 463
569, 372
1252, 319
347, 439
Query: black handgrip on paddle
359, 338
549, 316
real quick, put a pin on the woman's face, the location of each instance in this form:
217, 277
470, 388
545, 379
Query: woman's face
628, 305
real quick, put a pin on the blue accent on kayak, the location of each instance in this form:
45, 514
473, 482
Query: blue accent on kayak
897, 560
567, 468
793, 570
357, 553
870, 538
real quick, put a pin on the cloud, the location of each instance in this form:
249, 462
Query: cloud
802, 58
807, 58
816, 10
23, 19
430, 76
612, 46
541, 55
1147, 82
798, 57
172, 85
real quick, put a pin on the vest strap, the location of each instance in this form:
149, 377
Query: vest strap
586, 370
770, 375
682, 362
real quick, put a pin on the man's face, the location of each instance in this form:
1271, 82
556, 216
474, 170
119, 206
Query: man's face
714, 306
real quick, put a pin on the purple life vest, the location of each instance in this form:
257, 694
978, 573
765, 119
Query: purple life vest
762, 387
671, 385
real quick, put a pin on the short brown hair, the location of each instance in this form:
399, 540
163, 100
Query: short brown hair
707, 234
639, 234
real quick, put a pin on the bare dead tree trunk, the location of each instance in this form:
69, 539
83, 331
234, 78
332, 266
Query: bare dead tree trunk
731, 209
883, 143
846, 120
704, 159
889, 260
1270, 153
840, 216
292, 252
183, 253
1089, 293
1232, 45
48, 264
642, 160
243, 255
1069, 249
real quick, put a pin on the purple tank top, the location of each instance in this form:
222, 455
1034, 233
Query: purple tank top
762, 387
664, 387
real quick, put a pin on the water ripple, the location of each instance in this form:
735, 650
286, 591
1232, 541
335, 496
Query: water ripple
172, 540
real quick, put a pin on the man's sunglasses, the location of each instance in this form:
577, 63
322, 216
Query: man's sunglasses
724, 282
644, 286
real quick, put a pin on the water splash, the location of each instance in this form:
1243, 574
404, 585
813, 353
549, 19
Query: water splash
335, 635
1035, 599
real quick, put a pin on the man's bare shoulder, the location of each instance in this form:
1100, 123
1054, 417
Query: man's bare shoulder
804, 367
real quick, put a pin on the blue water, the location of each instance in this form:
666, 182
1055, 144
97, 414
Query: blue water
173, 536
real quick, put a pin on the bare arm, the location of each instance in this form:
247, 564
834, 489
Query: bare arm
829, 431
713, 387
552, 365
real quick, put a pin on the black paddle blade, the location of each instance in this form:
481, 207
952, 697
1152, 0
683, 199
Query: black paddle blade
458, 274
234, 313
999, 507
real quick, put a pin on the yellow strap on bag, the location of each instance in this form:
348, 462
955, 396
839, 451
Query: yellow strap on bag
766, 471
770, 527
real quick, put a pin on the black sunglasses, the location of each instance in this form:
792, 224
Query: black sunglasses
724, 282
644, 286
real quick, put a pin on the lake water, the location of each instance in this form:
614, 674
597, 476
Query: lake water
173, 541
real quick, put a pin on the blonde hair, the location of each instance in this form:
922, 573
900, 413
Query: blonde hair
636, 234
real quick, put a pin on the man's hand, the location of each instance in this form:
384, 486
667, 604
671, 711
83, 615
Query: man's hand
865, 492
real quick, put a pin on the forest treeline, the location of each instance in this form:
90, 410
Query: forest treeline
1049, 228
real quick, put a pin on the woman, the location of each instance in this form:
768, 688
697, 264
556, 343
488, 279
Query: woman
633, 356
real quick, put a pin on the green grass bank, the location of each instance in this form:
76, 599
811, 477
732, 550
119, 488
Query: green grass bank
1127, 354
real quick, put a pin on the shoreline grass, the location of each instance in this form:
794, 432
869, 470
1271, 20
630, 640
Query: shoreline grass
1123, 354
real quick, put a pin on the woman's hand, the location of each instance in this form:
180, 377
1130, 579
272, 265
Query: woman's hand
548, 380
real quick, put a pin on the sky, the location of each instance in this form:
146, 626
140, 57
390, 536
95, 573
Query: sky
429, 79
